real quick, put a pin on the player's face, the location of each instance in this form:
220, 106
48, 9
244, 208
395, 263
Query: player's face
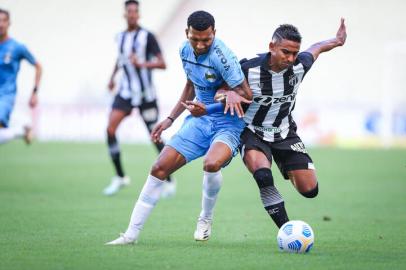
200, 40
132, 15
4, 24
284, 54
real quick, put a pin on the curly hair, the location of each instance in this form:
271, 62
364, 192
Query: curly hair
200, 20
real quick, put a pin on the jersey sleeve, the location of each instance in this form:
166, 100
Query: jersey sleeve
244, 68
182, 56
306, 59
227, 64
26, 54
153, 48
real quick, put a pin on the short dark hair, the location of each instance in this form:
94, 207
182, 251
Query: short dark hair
5, 12
200, 20
130, 2
287, 31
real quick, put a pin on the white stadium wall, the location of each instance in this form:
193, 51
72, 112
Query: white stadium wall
353, 96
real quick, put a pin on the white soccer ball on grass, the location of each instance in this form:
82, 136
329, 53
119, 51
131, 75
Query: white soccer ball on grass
295, 236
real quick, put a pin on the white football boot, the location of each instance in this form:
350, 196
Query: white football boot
168, 189
203, 229
116, 184
122, 240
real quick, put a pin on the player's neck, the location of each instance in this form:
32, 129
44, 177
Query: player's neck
274, 68
131, 28
3, 37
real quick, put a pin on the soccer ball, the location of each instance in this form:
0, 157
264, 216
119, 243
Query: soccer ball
295, 236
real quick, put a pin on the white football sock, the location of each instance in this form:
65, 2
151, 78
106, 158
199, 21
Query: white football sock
147, 200
211, 187
8, 134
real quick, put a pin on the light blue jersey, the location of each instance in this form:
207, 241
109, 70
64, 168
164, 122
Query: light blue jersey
207, 73
11, 54
211, 70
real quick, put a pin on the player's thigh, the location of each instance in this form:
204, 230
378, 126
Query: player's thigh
304, 180
120, 109
168, 161
227, 139
218, 154
192, 139
255, 152
115, 118
255, 160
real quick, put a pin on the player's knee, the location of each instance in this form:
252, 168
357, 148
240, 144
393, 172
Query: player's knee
311, 192
159, 171
263, 177
212, 165
111, 131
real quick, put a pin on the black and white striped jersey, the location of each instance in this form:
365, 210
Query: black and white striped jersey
274, 95
136, 83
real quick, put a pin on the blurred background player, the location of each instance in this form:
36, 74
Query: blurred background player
139, 54
11, 54
274, 78
208, 64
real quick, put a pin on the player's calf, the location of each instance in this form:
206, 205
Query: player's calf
270, 196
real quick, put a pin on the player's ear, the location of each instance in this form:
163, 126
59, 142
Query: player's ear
271, 46
187, 33
214, 32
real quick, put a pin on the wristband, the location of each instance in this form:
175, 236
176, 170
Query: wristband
213, 108
171, 118
35, 89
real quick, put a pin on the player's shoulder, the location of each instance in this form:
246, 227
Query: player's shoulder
219, 49
15, 43
253, 61
221, 53
184, 49
304, 56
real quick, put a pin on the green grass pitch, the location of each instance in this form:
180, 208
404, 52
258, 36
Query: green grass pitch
53, 215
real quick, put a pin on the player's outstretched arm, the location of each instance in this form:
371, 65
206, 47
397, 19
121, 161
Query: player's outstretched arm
326, 45
187, 94
34, 98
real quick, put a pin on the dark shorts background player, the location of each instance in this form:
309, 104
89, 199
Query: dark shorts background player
208, 64
138, 54
11, 54
274, 78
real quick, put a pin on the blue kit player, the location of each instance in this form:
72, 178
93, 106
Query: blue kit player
208, 65
11, 54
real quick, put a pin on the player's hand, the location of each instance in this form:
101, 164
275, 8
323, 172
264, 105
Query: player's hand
134, 61
341, 35
233, 103
195, 108
157, 130
111, 85
33, 101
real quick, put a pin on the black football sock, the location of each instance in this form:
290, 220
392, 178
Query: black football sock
114, 150
270, 196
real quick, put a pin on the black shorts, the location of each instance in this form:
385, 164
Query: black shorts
149, 110
289, 154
